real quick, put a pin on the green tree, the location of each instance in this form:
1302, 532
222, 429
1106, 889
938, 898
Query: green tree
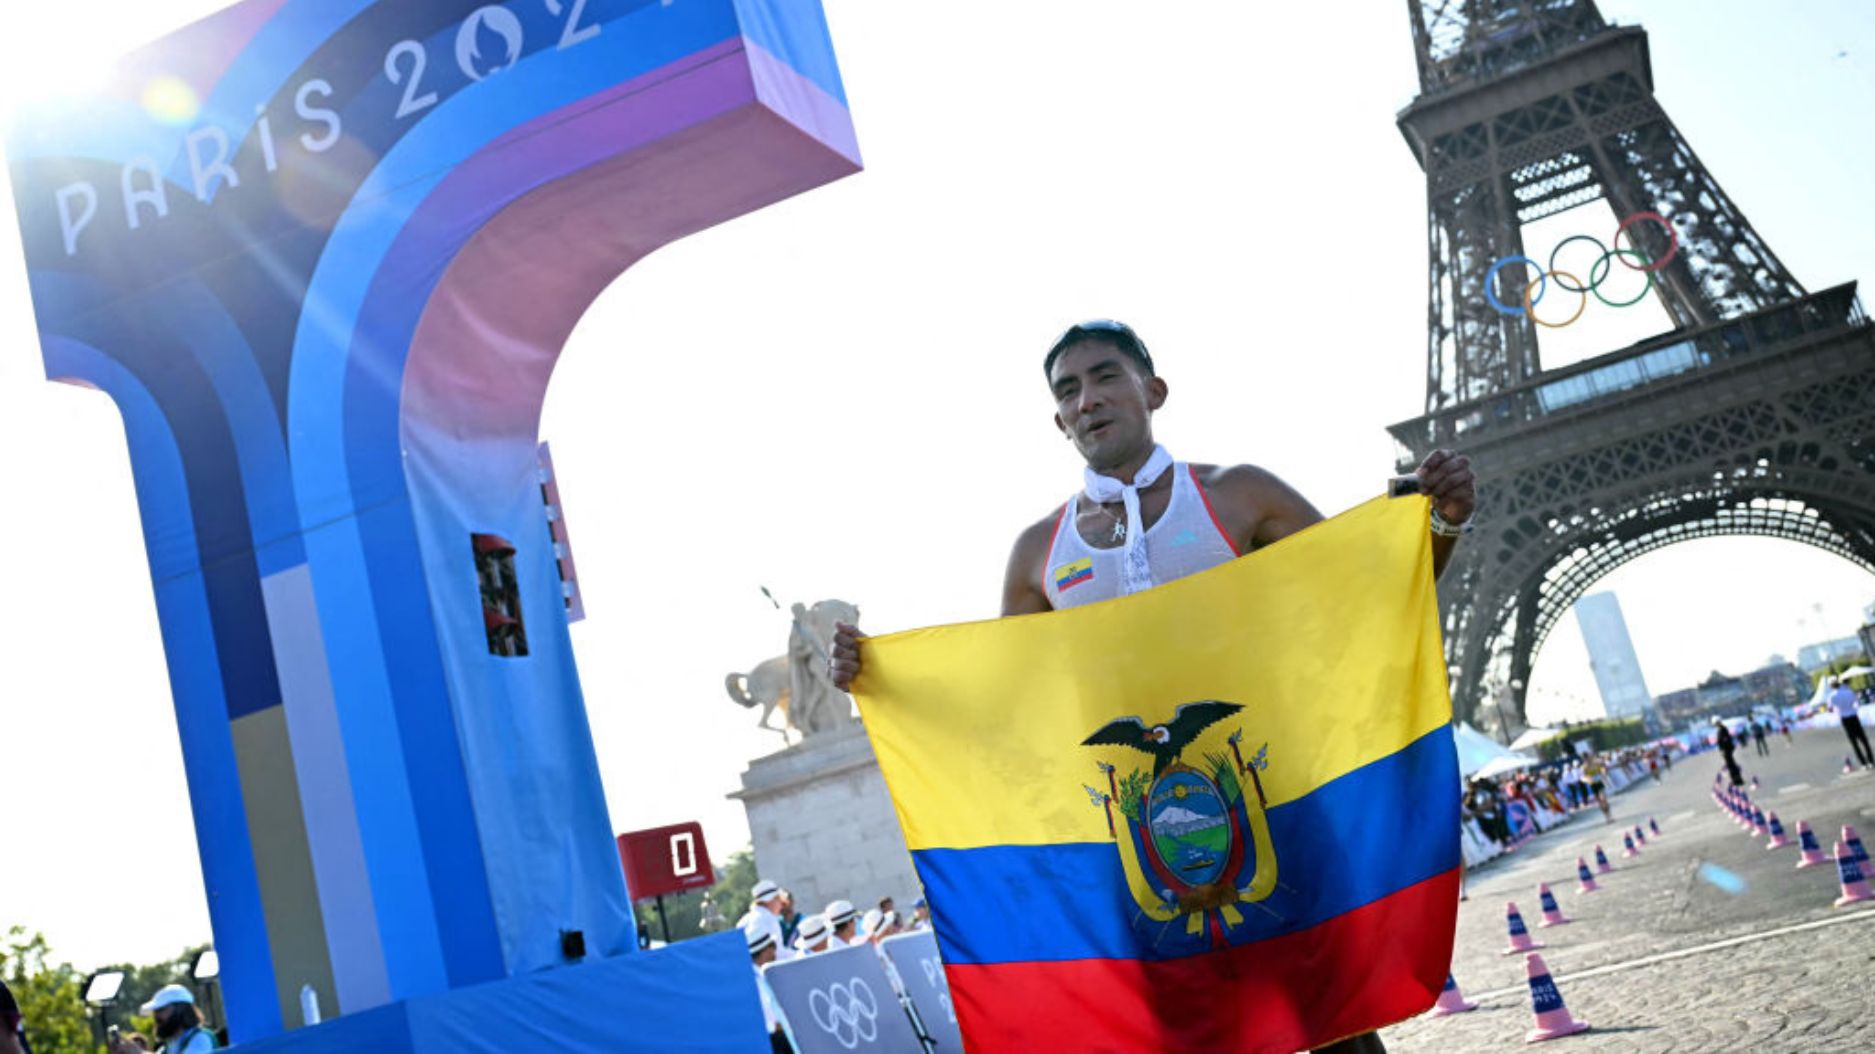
49, 995
1835, 669
684, 911
733, 881
141, 982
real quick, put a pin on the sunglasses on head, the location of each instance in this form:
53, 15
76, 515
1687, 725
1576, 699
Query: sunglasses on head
1119, 332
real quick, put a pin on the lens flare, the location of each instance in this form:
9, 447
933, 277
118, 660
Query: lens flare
1721, 879
170, 100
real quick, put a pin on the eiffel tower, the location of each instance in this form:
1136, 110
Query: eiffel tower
1753, 415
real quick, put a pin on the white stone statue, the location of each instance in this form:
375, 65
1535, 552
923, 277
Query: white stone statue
796, 684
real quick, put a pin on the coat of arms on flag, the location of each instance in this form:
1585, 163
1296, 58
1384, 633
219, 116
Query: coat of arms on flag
1195, 845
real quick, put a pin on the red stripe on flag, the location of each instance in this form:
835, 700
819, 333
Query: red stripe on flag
1378, 964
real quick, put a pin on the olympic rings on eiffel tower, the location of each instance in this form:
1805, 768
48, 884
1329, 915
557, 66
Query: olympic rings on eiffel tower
1528, 304
1618, 254
1599, 272
1673, 238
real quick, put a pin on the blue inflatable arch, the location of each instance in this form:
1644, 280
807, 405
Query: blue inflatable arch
323, 254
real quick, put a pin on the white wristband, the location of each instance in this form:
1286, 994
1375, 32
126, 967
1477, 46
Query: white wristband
1448, 530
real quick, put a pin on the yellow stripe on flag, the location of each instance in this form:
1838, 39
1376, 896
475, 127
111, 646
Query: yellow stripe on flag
1329, 639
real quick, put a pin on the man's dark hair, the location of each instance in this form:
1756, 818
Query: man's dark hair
1119, 334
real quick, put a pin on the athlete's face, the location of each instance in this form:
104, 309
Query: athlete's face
1104, 402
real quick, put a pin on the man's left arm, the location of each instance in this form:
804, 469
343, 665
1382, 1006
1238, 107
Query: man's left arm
1258, 508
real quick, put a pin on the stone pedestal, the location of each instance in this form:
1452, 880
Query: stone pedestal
823, 824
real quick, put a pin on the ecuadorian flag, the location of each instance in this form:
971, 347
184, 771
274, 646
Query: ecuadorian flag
1220, 815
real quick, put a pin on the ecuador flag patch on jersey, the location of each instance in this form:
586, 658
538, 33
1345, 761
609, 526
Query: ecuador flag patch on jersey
1069, 575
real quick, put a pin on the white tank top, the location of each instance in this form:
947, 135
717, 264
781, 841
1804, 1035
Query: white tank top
1187, 539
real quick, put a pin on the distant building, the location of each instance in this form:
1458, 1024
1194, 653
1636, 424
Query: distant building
1780, 686
1813, 657
1611, 654
1679, 709
1777, 686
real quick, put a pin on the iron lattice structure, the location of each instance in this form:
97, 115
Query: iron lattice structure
1754, 415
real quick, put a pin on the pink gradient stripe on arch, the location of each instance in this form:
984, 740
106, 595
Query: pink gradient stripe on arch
598, 185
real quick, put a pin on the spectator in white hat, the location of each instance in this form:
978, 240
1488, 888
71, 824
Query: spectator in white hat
841, 916
814, 936
762, 948
764, 914
762, 951
178, 1025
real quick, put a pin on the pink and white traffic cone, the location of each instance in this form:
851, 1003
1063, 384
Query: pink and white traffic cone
1640, 836
1552, 1017
1451, 1000
1778, 841
1854, 887
1552, 913
1850, 839
1811, 854
1520, 939
1758, 826
1754, 781
1627, 846
1586, 881
1602, 866
1652, 826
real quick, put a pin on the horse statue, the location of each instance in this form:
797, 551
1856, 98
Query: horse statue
796, 685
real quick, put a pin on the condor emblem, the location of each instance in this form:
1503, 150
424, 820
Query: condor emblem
1192, 843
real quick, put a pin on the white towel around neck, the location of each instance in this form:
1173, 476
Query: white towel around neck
1136, 576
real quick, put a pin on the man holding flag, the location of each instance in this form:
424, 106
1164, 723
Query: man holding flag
1142, 521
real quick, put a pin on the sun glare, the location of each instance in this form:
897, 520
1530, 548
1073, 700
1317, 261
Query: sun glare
69, 51
170, 100
39, 67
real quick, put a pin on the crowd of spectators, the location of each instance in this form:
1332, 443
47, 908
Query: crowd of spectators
839, 925
1498, 814
777, 932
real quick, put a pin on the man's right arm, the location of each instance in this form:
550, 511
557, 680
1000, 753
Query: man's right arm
1022, 579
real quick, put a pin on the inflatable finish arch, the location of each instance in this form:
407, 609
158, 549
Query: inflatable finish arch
323, 255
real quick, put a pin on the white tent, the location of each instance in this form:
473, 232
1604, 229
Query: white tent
1476, 750
1535, 737
1507, 763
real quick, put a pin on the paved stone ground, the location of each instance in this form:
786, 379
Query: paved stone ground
1778, 989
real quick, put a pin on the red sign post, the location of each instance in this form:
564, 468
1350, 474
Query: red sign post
664, 860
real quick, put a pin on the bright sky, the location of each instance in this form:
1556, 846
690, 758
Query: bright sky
841, 395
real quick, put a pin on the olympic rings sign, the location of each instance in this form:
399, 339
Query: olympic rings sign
1598, 272
840, 1012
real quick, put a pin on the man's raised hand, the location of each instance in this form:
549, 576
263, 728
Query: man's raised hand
843, 664
1445, 477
